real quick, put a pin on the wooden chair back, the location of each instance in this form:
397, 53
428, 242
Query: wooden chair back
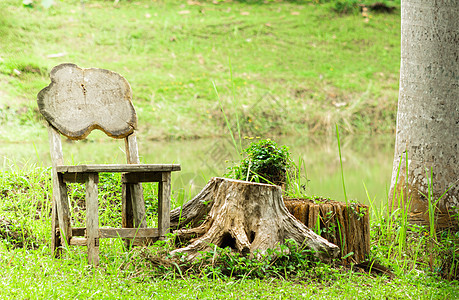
76, 102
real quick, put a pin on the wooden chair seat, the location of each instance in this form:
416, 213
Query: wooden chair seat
132, 173
76, 102
118, 168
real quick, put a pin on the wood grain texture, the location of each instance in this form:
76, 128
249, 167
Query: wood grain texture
80, 100
164, 204
120, 168
78, 241
135, 195
347, 226
128, 232
127, 213
92, 219
142, 177
61, 213
250, 218
138, 205
132, 150
76, 102
117, 232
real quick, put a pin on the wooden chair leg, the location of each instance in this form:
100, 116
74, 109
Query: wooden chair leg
55, 236
133, 209
62, 212
138, 205
127, 214
92, 218
164, 204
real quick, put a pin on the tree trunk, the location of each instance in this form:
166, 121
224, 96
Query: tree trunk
247, 217
428, 112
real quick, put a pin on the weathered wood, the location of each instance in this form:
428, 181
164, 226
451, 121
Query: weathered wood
61, 213
78, 231
128, 232
76, 102
346, 226
250, 217
74, 177
79, 100
195, 210
78, 241
118, 232
118, 168
56, 157
135, 194
56, 245
92, 219
164, 206
127, 213
132, 150
142, 177
138, 205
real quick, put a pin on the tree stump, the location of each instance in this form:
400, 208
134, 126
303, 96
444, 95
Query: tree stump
346, 226
246, 217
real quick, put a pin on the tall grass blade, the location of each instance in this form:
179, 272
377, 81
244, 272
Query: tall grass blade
341, 165
235, 102
238, 149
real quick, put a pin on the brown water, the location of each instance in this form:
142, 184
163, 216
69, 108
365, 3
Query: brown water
366, 160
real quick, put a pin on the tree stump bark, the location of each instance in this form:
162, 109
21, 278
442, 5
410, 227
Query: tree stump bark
246, 217
347, 226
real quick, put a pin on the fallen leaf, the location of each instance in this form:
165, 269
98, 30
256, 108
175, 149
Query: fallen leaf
295, 13
268, 24
245, 13
183, 12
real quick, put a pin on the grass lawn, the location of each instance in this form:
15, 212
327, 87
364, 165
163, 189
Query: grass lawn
280, 68
419, 267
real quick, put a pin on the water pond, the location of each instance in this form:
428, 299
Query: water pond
366, 161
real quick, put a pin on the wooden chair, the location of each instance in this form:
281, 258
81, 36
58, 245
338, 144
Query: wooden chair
76, 102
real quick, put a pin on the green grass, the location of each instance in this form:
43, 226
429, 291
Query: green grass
28, 271
296, 67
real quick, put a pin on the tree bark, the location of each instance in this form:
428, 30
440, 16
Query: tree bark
246, 216
347, 226
428, 112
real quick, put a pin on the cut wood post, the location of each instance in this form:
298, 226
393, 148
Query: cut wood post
347, 226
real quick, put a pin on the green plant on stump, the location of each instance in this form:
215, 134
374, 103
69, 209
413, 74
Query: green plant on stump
264, 162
